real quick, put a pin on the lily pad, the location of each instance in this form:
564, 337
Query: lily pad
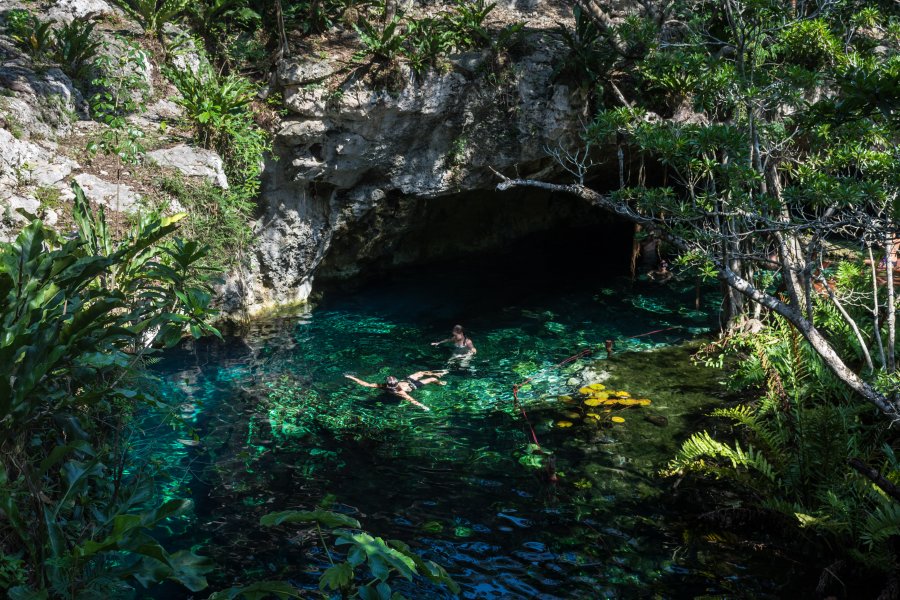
617, 419
564, 423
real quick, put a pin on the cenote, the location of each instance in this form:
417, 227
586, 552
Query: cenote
279, 427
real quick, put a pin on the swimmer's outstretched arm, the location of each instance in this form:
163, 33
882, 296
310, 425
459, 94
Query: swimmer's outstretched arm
410, 399
439, 342
361, 382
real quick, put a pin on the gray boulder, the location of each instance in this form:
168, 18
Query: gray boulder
120, 197
192, 162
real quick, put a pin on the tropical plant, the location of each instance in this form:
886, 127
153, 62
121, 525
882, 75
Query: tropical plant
79, 315
75, 47
220, 218
386, 43
230, 30
754, 147
31, 34
427, 39
219, 108
318, 16
381, 560
795, 444
466, 21
154, 14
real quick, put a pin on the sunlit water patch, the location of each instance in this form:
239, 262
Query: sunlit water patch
268, 422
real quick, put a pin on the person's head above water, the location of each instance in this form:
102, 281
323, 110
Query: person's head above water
458, 330
391, 382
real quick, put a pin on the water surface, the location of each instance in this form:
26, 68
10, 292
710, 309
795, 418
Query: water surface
279, 427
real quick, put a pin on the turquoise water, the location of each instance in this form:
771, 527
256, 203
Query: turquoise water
267, 422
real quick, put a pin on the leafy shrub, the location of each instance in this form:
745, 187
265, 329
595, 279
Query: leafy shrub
75, 47
79, 314
793, 445
317, 16
220, 218
153, 14
31, 34
120, 92
587, 56
72, 45
466, 21
219, 109
378, 560
386, 43
809, 43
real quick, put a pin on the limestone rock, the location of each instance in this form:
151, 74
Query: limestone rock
115, 197
41, 104
192, 162
360, 166
68, 10
305, 71
26, 164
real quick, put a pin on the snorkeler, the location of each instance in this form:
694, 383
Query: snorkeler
463, 348
394, 386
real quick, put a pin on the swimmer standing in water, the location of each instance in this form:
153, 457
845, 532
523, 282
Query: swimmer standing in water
463, 348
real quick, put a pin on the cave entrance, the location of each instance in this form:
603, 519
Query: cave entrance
526, 238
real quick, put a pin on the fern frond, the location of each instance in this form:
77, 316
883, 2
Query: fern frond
773, 438
701, 446
881, 523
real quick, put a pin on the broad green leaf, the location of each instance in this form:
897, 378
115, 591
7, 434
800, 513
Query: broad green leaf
259, 591
336, 577
325, 518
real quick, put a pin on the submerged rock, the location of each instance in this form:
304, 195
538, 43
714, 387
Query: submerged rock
658, 420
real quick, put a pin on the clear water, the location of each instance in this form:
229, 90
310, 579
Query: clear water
279, 427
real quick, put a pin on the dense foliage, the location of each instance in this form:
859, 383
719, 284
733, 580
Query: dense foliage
774, 128
80, 317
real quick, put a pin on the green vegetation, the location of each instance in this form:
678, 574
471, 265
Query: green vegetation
380, 560
31, 33
76, 47
780, 179
72, 45
793, 446
218, 108
221, 218
422, 42
80, 317
153, 15
121, 92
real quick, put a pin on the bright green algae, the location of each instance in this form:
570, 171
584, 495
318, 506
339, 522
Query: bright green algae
279, 427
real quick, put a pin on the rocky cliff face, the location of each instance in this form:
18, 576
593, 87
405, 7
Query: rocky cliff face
365, 170
374, 166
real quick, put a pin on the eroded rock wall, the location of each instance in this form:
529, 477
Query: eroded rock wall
358, 161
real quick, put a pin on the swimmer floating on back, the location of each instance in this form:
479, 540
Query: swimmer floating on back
394, 386
463, 348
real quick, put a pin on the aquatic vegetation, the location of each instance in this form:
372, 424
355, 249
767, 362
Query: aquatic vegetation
563, 424
617, 419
